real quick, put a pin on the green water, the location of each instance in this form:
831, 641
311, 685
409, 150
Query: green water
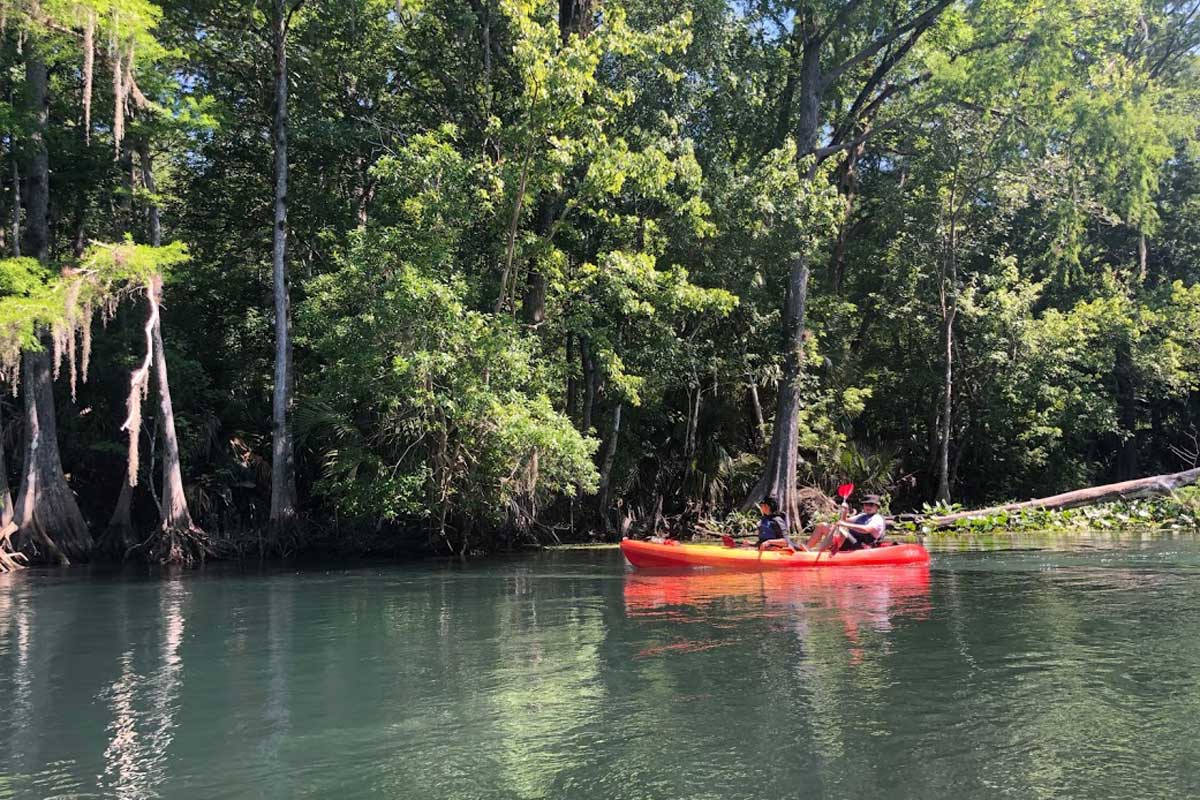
1046, 673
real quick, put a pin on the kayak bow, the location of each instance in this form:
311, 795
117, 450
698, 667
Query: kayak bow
671, 553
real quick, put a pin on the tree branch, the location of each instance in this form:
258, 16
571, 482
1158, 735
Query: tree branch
918, 25
287, 21
840, 20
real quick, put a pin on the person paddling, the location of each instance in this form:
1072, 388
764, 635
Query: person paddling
866, 529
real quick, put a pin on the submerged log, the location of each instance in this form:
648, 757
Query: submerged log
1153, 486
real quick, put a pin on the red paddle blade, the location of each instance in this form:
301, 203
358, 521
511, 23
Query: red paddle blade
844, 490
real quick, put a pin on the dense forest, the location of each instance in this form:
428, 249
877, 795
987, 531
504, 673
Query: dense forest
456, 274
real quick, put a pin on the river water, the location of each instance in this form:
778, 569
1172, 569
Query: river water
1059, 671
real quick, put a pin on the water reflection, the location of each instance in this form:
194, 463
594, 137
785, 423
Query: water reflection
15, 646
1023, 675
858, 597
143, 707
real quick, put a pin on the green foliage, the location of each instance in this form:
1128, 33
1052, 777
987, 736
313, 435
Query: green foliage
1180, 511
425, 405
27, 301
1028, 169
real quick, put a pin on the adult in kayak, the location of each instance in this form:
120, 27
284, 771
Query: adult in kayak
866, 529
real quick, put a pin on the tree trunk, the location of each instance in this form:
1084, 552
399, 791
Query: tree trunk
48, 519
6, 505
148, 180
944, 422
1126, 380
119, 536
760, 425
9, 561
283, 475
533, 304
693, 423
49, 522
1143, 258
572, 388
783, 114
847, 188
606, 467
589, 385
1126, 490
16, 205
779, 474
36, 240
949, 294
179, 540
125, 204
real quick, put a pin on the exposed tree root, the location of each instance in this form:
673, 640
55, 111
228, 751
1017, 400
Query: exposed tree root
10, 561
185, 546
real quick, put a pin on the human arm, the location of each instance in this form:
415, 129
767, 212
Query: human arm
875, 527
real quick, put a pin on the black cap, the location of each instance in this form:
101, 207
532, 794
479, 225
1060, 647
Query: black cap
872, 499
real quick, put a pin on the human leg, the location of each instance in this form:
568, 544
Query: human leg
818, 535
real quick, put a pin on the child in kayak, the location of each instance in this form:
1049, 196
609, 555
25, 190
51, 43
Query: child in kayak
773, 527
854, 533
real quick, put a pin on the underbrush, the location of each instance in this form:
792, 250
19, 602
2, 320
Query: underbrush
1180, 511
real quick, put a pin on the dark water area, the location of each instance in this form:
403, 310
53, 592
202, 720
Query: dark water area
1061, 670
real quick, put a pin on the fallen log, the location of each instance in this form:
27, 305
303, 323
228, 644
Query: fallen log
1154, 486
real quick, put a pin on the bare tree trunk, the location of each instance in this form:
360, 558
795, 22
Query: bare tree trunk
533, 304
1143, 258
1126, 380
16, 203
606, 467
847, 188
9, 560
693, 423
283, 474
779, 474
760, 424
151, 185
48, 519
569, 360
1154, 486
589, 385
179, 541
944, 423
949, 300
118, 536
364, 190
6, 505
125, 205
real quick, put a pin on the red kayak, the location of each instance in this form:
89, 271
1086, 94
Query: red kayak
671, 553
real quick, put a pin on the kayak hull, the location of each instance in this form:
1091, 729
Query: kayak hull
676, 554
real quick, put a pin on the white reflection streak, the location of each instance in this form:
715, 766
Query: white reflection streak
277, 715
14, 616
135, 765
122, 757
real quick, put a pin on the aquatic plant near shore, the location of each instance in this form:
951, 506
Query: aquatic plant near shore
1179, 511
